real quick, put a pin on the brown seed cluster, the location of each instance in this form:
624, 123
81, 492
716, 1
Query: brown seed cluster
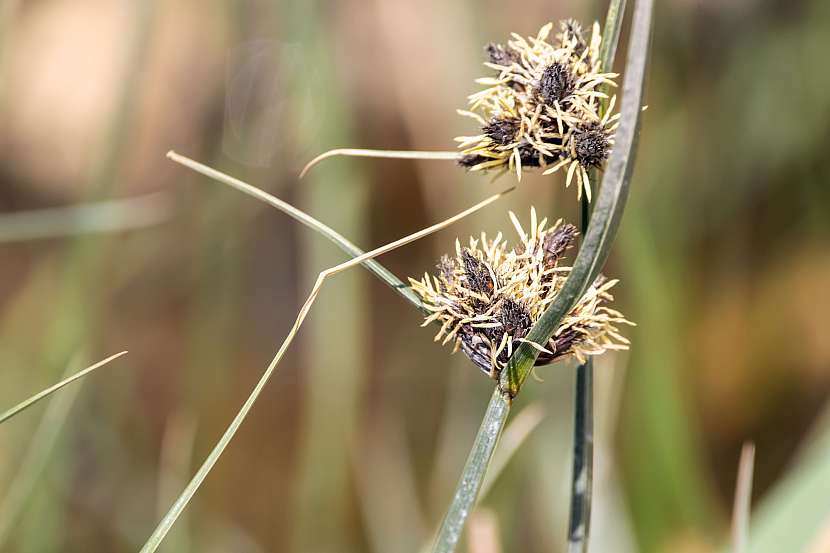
543, 107
488, 295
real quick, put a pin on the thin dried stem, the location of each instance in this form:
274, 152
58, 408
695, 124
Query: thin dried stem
388, 154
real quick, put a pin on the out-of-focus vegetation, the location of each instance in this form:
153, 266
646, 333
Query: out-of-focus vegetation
358, 441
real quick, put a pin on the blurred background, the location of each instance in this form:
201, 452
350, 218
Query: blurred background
357, 442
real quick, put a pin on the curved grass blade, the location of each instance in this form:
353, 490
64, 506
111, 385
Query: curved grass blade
25, 404
607, 210
387, 154
181, 502
341, 241
592, 255
35, 459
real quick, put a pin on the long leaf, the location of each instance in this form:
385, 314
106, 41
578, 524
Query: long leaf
607, 211
592, 255
341, 241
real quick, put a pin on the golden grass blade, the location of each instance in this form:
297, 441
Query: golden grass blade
386, 154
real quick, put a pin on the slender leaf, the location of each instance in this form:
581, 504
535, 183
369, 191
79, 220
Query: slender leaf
466, 492
794, 515
582, 467
607, 211
592, 255
25, 404
35, 459
341, 241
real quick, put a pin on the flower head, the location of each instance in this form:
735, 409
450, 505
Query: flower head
488, 295
542, 108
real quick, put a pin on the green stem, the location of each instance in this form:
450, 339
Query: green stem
582, 471
592, 255
466, 492
607, 212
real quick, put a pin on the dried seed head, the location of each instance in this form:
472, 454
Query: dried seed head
544, 91
556, 83
591, 145
502, 131
477, 274
487, 297
556, 242
499, 55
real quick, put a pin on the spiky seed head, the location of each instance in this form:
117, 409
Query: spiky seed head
488, 295
592, 145
542, 92
556, 83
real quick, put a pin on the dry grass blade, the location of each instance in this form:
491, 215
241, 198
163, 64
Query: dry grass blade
743, 499
23, 405
387, 154
178, 506
341, 241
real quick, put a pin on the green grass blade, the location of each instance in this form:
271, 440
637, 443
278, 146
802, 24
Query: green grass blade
341, 241
611, 34
23, 405
607, 210
468, 487
86, 218
34, 462
515, 434
794, 515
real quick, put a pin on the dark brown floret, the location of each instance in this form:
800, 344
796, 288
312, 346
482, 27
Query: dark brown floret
531, 157
498, 54
477, 274
556, 242
471, 160
477, 347
502, 131
556, 83
591, 145
515, 319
